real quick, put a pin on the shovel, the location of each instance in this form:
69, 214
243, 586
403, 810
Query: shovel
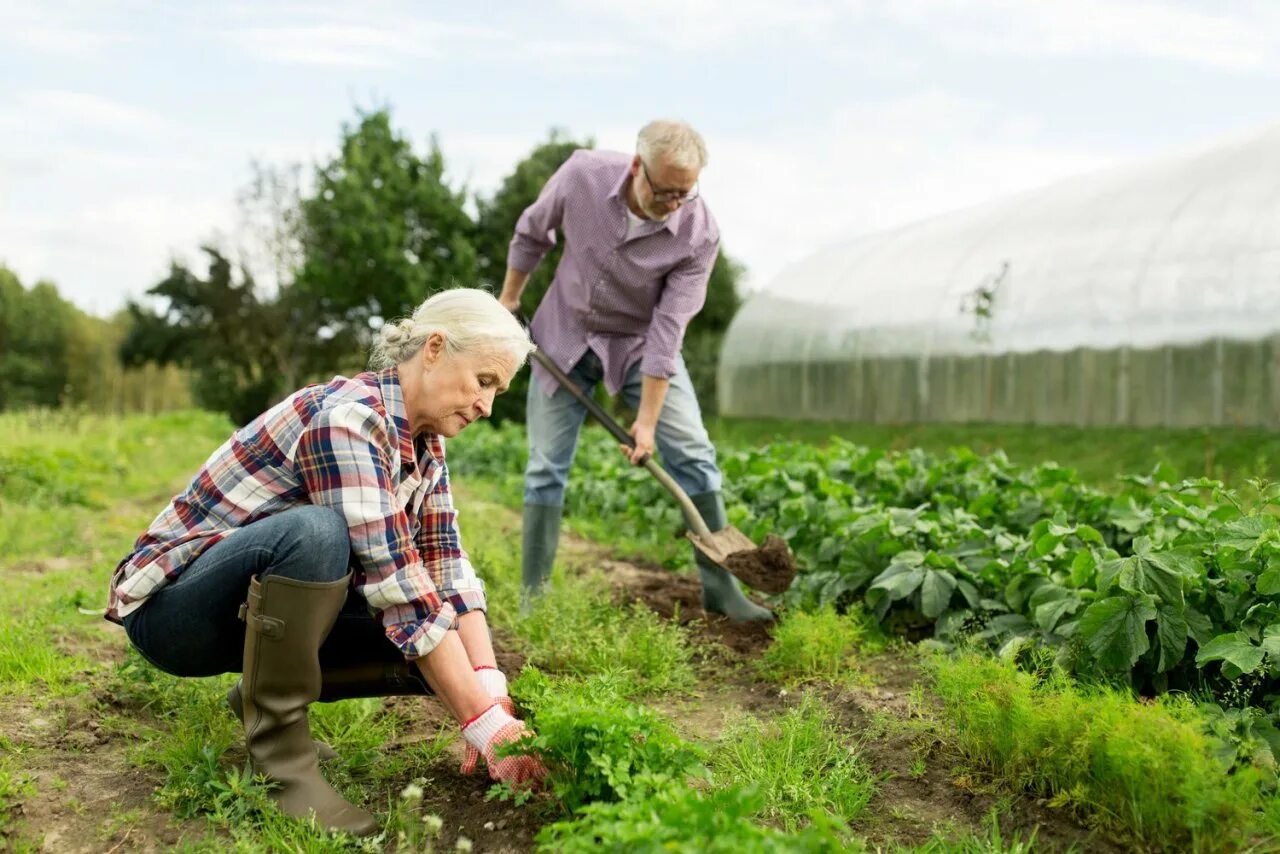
769, 569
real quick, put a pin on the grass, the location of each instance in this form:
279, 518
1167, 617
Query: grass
1097, 454
821, 646
799, 763
1147, 770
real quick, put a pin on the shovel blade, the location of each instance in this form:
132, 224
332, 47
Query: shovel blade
769, 569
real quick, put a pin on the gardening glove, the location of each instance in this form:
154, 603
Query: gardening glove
494, 682
492, 729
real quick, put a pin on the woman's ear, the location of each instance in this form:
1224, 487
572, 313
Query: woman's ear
433, 349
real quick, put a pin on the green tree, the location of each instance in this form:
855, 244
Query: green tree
497, 222
220, 328
36, 328
382, 231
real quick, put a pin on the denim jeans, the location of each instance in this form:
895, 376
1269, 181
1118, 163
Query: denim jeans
553, 424
191, 626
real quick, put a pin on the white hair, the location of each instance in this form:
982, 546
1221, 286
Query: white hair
471, 321
671, 142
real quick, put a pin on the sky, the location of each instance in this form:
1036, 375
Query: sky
128, 128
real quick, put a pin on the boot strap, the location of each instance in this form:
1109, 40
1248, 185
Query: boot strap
269, 627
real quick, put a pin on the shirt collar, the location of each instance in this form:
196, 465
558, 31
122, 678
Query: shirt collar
619, 193
393, 400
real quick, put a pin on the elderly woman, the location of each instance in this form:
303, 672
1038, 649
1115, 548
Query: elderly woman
317, 553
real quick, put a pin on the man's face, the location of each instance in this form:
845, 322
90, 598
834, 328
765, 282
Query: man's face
660, 187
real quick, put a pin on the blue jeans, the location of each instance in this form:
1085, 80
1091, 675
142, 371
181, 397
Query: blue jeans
191, 626
553, 424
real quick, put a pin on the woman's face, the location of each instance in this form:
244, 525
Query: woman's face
459, 388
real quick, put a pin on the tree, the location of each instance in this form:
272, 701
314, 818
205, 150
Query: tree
219, 328
36, 327
382, 231
497, 222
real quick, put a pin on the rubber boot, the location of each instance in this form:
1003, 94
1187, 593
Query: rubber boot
540, 536
720, 591
235, 700
285, 623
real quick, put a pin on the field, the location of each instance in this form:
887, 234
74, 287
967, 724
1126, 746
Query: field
980, 655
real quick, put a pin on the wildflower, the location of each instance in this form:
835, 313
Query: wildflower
412, 793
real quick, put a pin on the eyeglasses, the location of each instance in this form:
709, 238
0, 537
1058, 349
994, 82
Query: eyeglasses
665, 196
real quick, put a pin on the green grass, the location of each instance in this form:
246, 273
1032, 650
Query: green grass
1147, 770
15, 786
799, 763
1098, 454
577, 629
821, 646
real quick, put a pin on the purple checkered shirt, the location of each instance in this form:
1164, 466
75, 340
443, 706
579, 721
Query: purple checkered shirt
628, 300
344, 445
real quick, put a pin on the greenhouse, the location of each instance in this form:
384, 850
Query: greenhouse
1146, 295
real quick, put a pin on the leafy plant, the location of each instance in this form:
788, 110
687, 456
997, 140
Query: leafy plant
596, 745
675, 817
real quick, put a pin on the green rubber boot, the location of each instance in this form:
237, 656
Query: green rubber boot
720, 591
541, 535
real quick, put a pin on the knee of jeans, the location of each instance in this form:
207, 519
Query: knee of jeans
324, 535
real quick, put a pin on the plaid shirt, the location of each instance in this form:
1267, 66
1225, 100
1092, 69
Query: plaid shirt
344, 445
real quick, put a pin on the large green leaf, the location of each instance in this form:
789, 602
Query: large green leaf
1233, 648
1164, 574
898, 582
1115, 630
1171, 635
1244, 534
935, 592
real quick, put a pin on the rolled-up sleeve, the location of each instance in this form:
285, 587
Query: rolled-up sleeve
440, 546
344, 462
682, 297
536, 229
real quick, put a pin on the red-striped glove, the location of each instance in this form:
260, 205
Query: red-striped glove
489, 731
495, 683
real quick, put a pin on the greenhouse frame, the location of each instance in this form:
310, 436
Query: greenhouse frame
1146, 295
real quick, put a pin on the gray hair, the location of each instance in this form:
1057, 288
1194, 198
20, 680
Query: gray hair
471, 320
672, 142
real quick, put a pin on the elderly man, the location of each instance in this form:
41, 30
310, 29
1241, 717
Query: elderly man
639, 248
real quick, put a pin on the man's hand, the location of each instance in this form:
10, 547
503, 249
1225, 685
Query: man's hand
510, 303
643, 432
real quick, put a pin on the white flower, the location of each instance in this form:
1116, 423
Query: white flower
463, 844
433, 823
412, 793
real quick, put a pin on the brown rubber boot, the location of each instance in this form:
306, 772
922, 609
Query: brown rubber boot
235, 700
285, 623
351, 681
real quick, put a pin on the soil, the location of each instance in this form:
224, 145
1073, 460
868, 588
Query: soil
770, 568
91, 797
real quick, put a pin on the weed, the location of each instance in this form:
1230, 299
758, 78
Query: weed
1148, 769
799, 763
577, 629
819, 647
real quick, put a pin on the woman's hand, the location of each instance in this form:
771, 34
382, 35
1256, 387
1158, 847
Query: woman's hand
493, 681
491, 731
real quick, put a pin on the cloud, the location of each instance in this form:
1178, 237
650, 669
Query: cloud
781, 195
1239, 37
41, 28
59, 109
104, 251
